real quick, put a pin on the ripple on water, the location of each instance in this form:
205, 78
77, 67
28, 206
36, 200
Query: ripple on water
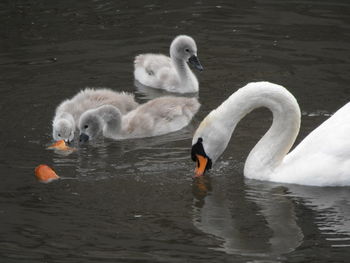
131, 200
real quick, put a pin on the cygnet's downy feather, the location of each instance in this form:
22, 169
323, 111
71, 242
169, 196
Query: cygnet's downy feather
69, 111
170, 73
156, 117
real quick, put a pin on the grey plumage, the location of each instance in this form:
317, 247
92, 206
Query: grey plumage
69, 111
156, 117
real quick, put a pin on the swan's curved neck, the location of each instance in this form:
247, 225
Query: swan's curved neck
275, 144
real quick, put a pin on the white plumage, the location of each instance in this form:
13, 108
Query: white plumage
69, 111
321, 159
170, 73
156, 117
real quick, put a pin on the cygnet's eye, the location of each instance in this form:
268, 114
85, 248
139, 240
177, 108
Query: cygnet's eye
86, 126
59, 135
187, 50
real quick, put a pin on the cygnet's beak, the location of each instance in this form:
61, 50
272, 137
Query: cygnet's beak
201, 164
83, 137
194, 61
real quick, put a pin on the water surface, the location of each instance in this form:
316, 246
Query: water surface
135, 200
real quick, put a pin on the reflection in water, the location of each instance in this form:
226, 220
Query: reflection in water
148, 93
333, 211
240, 230
52, 49
106, 158
316, 113
213, 214
279, 212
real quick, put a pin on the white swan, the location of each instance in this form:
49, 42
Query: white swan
321, 159
156, 117
69, 111
170, 74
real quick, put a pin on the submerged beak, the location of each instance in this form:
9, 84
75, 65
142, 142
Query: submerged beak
194, 61
83, 137
201, 165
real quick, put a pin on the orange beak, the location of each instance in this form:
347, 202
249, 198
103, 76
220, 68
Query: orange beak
201, 165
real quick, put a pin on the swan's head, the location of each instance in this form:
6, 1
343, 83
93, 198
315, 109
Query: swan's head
185, 48
63, 129
198, 155
90, 125
209, 142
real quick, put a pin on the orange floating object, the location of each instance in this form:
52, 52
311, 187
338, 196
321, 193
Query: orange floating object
60, 145
45, 174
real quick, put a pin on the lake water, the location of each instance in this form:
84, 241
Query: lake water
135, 200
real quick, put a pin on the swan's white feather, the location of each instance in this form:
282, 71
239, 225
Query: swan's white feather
321, 159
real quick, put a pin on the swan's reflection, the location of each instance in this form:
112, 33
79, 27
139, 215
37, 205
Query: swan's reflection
332, 205
260, 220
278, 210
148, 93
105, 158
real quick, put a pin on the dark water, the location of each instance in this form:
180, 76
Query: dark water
135, 201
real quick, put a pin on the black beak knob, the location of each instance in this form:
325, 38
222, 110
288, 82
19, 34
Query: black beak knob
194, 61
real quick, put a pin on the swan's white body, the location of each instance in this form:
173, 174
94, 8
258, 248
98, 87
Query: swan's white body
69, 111
168, 73
321, 159
156, 117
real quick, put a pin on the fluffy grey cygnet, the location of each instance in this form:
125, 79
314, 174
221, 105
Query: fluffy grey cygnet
69, 111
170, 73
156, 117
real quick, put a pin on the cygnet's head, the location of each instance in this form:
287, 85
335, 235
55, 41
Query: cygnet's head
63, 129
184, 48
90, 125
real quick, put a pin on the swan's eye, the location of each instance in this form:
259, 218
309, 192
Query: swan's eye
187, 50
86, 126
59, 135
